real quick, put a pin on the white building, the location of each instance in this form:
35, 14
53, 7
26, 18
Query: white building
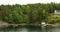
56, 12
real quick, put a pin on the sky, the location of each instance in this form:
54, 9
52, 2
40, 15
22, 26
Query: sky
24, 2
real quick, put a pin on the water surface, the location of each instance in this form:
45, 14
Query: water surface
30, 29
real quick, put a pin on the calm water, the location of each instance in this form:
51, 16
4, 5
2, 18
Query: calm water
31, 29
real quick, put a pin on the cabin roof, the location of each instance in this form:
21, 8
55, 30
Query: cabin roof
56, 12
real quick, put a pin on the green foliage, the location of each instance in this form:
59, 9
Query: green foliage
28, 14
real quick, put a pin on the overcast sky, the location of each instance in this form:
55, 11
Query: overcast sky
5, 2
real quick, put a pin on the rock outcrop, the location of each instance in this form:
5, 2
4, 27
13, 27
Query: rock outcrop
3, 24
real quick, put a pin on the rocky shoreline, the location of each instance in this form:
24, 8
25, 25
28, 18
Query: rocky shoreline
52, 25
16, 25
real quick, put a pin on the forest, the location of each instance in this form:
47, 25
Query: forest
29, 14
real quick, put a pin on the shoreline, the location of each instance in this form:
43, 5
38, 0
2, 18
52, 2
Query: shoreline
16, 25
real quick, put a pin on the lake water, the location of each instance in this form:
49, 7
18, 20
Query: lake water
30, 29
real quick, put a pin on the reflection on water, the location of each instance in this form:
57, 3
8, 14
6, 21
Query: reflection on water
30, 29
7, 30
53, 29
22, 29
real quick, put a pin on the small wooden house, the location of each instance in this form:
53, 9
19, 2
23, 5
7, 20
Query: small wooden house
56, 13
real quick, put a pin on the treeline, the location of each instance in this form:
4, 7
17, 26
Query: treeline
28, 14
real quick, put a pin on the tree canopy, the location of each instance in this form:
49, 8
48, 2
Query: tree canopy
30, 13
